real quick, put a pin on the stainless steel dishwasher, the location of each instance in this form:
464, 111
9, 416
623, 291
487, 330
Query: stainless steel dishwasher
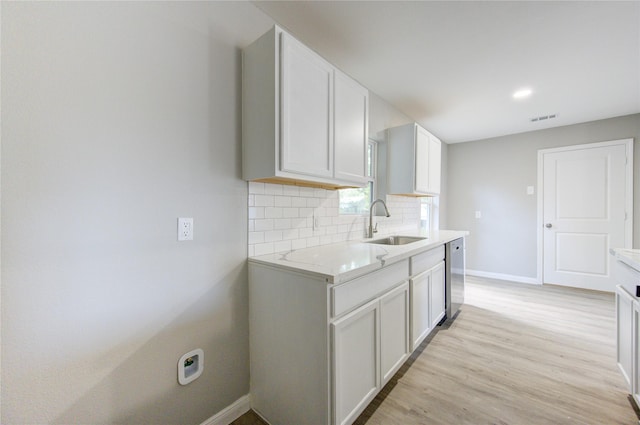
454, 276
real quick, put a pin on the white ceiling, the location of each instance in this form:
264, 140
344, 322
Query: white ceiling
453, 66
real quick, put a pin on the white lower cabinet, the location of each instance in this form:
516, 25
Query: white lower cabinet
437, 310
427, 302
420, 304
625, 341
635, 390
394, 331
369, 346
321, 352
628, 325
356, 361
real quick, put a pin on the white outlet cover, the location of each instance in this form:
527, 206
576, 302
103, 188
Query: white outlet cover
529, 190
478, 214
185, 228
187, 374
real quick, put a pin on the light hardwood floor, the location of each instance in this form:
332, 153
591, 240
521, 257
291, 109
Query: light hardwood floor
515, 354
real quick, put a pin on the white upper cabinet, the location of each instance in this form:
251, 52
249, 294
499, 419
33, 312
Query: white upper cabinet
413, 161
306, 103
351, 128
302, 119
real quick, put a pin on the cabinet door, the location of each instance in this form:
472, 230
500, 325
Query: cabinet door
420, 319
306, 133
356, 362
351, 103
437, 294
422, 160
434, 164
624, 319
394, 330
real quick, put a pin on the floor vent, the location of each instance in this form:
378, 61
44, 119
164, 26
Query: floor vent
544, 118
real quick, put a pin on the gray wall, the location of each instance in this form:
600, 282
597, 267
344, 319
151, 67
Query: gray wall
117, 118
491, 176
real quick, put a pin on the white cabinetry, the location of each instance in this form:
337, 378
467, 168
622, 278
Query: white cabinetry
625, 321
636, 353
320, 353
427, 294
628, 325
351, 112
302, 119
370, 344
394, 331
413, 161
356, 361
437, 309
307, 107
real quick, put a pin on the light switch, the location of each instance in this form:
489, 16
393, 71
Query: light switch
529, 190
478, 214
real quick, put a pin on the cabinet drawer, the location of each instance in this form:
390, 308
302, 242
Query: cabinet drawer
426, 260
628, 277
356, 292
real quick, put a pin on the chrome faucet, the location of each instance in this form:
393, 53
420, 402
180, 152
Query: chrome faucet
373, 230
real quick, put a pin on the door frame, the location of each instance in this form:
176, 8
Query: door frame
628, 231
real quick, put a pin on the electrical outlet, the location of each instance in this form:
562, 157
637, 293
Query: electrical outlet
185, 229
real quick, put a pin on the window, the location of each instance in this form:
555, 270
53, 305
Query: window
357, 200
430, 213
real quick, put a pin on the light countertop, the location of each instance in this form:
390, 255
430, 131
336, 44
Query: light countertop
340, 262
630, 257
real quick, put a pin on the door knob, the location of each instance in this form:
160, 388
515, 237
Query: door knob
548, 225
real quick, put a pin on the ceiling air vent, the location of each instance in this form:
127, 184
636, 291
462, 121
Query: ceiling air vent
543, 118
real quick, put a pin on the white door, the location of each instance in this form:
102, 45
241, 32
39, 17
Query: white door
585, 211
350, 123
307, 110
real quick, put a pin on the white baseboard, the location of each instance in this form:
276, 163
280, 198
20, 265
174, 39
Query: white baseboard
501, 276
230, 413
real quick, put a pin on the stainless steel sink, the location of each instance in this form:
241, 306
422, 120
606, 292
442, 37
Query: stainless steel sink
397, 240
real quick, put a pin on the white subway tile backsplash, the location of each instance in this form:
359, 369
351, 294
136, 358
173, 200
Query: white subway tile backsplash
263, 248
281, 218
264, 201
290, 212
256, 212
263, 225
256, 188
273, 189
273, 235
305, 232
298, 202
282, 246
291, 190
298, 243
256, 237
282, 201
272, 212
282, 223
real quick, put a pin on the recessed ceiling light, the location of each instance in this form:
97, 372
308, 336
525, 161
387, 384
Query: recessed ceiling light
522, 93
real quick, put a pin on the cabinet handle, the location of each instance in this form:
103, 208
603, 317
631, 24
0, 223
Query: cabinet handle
637, 290
548, 225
